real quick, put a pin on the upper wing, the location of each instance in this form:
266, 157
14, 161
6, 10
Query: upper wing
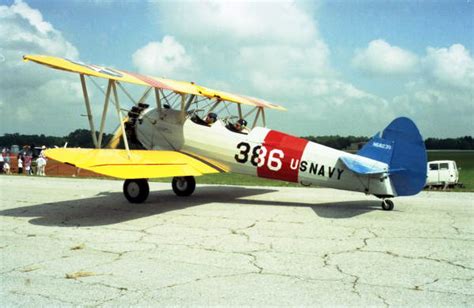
142, 163
162, 83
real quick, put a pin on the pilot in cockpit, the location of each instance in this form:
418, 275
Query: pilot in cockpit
239, 127
211, 118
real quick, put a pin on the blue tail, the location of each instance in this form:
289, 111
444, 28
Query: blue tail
400, 146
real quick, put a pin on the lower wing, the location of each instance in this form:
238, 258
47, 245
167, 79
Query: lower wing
140, 164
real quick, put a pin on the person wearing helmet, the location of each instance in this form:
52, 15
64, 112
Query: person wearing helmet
240, 127
211, 118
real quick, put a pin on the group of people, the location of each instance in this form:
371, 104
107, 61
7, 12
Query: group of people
239, 127
25, 160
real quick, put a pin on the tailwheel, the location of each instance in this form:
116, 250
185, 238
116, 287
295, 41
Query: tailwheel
387, 205
136, 190
183, 186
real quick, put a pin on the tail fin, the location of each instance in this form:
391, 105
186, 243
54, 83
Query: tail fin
400, 146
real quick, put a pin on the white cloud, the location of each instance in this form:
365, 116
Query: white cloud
381, 58
286, 60
164, 58
272, 50
440, 96
37, 99
451, 66
254, 22
438, 112
34, 17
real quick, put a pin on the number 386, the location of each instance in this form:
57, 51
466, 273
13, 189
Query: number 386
258, 156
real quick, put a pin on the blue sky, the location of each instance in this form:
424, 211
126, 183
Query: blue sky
340, 67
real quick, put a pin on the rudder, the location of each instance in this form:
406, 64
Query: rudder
400, 146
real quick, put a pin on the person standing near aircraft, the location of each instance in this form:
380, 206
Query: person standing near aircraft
20, 164
2, 161
41, 163
6, 157
27, 163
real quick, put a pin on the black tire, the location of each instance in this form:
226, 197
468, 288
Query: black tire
136, 190
183, 186
387, 205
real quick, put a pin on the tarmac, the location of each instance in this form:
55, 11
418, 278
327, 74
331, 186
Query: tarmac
69, 242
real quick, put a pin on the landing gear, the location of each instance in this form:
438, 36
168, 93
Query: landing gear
183, 186
387, 205
136, 190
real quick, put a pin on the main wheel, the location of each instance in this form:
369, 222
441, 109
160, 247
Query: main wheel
136, 190
387, 205
183, 186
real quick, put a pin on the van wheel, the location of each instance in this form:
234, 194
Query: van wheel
387, 205
136, 190
183, 186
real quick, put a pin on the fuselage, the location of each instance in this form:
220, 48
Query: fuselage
262, 152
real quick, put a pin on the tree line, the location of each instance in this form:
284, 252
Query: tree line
79, 138
341, 142
82, 138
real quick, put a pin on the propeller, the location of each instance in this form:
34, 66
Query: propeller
115, 141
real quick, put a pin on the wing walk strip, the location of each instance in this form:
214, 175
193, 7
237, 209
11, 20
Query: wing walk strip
152, 82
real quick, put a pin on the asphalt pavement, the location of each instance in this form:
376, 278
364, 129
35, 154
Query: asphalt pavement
69, 242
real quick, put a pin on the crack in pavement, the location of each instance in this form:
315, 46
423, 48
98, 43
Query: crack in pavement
50, 298
453, 222
420, 258
420, 287
354, 283
385, 302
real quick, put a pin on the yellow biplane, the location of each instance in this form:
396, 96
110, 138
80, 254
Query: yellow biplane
193, 130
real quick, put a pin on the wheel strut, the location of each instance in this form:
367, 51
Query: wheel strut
387, 205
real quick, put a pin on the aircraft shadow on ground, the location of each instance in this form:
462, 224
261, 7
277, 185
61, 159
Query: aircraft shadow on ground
110, 208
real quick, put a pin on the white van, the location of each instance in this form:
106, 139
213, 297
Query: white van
442, 173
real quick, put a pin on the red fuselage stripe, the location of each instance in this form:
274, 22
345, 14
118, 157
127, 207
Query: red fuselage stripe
292, 148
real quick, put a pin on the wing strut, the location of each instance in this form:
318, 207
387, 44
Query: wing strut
256, 117
158, 101
239, 108
104, 112
88, 108
119, 113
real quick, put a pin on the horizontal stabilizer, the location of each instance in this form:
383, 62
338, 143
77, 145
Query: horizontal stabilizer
361, 166
141, 164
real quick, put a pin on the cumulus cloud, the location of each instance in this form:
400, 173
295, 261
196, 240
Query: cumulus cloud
275, 51
35, 99
313, 60
271, 50
248, 22
440, 96
453, 66
165, 58
236, 38
381, 58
